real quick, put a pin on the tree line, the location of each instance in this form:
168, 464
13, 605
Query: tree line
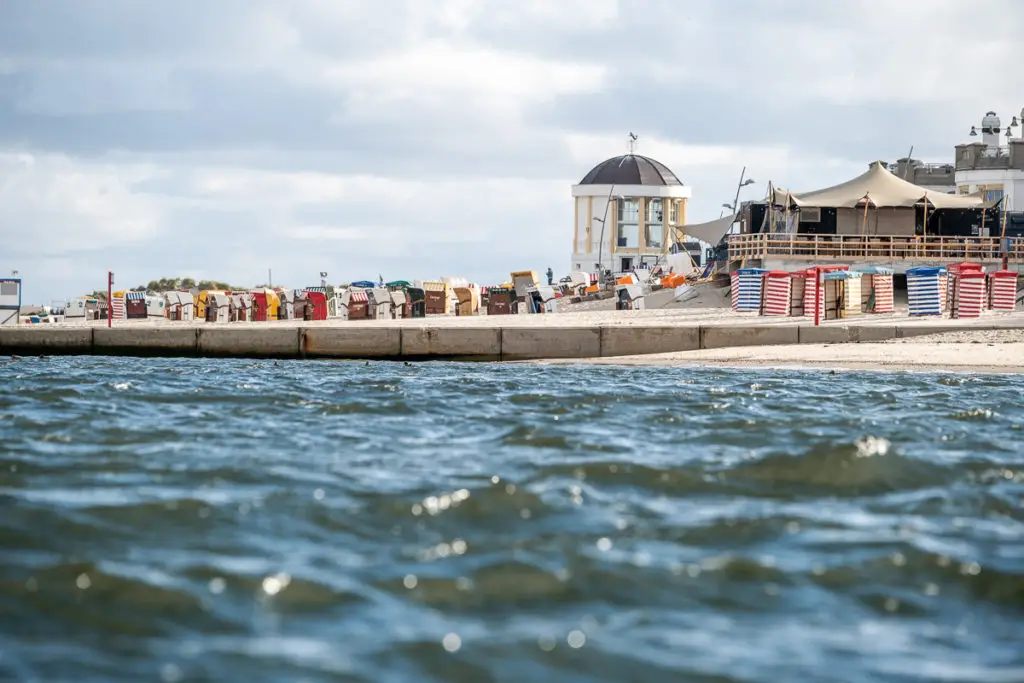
168, 284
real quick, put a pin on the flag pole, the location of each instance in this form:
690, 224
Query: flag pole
110, 298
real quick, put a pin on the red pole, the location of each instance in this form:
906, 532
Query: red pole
110, 298
817, 295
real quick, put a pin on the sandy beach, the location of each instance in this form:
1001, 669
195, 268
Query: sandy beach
590, 318
593, 332
966, 351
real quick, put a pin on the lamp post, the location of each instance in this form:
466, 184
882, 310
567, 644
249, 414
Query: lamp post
1013, 124
990, 128
739, 186
603, 221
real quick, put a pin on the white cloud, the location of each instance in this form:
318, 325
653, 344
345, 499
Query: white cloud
439, 75
319, 233
418, 138
62, 89
53, 203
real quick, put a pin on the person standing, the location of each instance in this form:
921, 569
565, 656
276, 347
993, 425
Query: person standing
551, 276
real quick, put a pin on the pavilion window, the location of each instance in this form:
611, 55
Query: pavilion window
654, 233
628, 224
628, 235
629, 210
654, 211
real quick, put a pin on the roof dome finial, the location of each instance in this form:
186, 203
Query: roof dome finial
632, 142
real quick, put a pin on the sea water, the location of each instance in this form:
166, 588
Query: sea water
241, 521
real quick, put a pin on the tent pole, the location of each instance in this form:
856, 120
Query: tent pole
924, 228
864, 226
787, 211
1002, 231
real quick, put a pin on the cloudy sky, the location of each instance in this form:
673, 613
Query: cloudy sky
418, 138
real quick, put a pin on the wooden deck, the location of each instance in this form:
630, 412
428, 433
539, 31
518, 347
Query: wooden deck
879, 248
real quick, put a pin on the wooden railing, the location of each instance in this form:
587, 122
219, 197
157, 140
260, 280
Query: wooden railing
874, 247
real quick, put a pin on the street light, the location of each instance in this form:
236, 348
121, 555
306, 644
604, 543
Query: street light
991, 127
739, 186
742, 183
603, 221
1014, 123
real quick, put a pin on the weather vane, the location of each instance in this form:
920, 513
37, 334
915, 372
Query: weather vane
632, 142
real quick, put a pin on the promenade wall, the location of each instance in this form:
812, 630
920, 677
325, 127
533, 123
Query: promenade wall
485, 343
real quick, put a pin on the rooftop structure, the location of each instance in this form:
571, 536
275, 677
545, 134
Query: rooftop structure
992, 167
10, 300
876, 217
630, 169
939, 177
626, 210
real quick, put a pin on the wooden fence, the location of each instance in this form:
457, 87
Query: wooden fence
874, 248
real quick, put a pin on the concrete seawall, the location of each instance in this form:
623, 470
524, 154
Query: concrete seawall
436, 343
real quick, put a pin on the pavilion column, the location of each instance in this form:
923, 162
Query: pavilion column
641, 227
665, 213
576, 225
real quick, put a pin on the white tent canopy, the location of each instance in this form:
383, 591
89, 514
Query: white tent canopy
680, 263
711, 232
878, 188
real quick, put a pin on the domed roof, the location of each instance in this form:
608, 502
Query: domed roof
630, 169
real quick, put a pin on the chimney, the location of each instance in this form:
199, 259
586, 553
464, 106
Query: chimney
1017, 153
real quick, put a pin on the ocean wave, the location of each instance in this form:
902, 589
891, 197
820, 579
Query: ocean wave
187, 519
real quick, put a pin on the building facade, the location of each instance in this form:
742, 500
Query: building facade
10, 300
993, 168
935, 177
626, 210
876, 218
